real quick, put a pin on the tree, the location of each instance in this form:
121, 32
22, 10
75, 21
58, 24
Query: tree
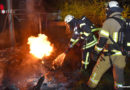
93, 9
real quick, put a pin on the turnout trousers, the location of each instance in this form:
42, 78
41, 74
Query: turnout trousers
86, 57
103, 64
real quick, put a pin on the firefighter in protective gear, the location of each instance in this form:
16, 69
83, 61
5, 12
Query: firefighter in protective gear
82, 30
110, 55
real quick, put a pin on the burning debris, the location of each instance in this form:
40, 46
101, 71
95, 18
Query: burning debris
59, 60
20, 69
30, 67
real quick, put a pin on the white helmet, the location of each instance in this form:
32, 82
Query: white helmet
68, 18
112, 4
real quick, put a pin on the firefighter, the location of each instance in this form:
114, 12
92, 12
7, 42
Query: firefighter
82, 30
110, 54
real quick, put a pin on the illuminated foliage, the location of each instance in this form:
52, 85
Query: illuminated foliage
93, 9
75, 8
126, 11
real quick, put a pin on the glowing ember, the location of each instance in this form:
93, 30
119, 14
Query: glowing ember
40, 46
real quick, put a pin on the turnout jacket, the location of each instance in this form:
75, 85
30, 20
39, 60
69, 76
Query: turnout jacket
110, 27
84, 31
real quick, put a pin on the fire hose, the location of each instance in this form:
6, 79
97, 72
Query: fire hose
60, 59
39, 83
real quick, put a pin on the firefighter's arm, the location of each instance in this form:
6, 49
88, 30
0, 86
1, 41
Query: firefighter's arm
99, 47
75, 38
104, 36
73, 41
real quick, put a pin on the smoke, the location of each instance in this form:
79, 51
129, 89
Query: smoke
21, 68
30, 9
30, 17
4, 39
24, 67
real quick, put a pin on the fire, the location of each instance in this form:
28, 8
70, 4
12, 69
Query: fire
40, 46
59, 60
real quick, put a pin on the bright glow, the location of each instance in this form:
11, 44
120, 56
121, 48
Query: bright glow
40, 46
3, 11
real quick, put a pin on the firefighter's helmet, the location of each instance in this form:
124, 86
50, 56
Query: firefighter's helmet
111, 7
112, 4
68, 18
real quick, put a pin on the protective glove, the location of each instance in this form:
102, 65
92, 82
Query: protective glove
68, 49
70, 46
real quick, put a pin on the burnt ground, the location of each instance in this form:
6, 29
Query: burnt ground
19, 69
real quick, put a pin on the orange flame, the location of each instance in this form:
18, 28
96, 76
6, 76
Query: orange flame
59, 60
40, 46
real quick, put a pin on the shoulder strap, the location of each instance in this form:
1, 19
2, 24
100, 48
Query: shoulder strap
128, 23
116, 44
122, 23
